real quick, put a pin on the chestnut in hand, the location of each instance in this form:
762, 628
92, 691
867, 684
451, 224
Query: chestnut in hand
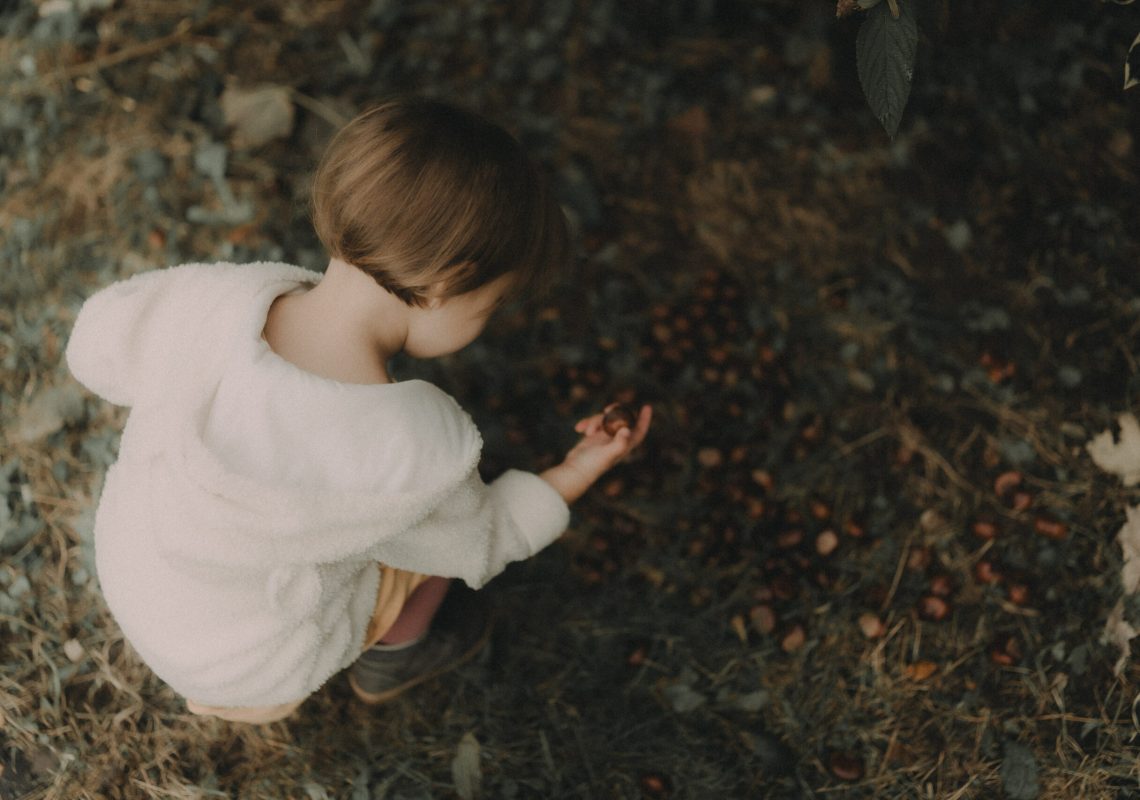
618, 417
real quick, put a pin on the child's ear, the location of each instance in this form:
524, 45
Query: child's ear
440, 290
435, 294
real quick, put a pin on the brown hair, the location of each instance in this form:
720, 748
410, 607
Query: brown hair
419, 193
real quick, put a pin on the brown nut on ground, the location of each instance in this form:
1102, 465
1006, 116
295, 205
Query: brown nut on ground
618, 417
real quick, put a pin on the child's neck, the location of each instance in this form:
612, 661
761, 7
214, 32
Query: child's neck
346, 328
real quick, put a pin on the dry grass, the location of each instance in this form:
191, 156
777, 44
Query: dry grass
575, 700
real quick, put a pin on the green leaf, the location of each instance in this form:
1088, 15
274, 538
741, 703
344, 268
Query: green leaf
884, 55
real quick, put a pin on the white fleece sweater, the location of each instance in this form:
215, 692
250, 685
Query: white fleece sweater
237, 534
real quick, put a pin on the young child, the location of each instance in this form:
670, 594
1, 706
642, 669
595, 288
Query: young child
282, 505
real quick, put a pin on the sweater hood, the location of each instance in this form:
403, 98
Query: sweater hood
241, 521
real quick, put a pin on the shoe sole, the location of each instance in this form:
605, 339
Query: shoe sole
376, 698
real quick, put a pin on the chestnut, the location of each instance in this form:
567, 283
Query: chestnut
941, 585
1006, 651
1018, 593
986, 572
826, 542
845, 766
985, 529
1051, 529
618, 417
871, 626
933, 608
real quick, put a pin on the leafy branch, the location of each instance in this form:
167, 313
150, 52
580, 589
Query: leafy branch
885, 50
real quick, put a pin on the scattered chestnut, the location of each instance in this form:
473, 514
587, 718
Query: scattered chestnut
655, 785
793, 639
788, 539
1006, 651
826, 542
986, 572
1051, 529
845, 766
933, 608
618, 417
1021, 501
918, 558
871, 626
1018, 593
941, 585
1006, 482
984, 529
763, 619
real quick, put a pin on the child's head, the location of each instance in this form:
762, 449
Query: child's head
431, 200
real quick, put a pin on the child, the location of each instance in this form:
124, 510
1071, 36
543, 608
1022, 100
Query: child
281, 504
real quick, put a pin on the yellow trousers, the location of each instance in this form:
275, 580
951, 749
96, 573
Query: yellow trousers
396, 586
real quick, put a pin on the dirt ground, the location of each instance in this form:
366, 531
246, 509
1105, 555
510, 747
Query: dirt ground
864, 553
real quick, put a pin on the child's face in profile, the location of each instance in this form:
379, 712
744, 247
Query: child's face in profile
450, 324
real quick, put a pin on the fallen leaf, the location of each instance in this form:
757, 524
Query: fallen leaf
920, 670
1120, 632
1120, 458
465, 770
1129, 539
737, 623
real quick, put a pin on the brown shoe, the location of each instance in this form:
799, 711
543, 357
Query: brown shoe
459, 630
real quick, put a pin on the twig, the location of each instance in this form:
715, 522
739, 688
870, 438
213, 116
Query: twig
322, 110
182, 31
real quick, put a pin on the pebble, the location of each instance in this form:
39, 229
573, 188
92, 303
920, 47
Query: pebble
74, 651
257, 115
683, 698
150, 165
1069, 376
19, 587
1019, 773
47, 412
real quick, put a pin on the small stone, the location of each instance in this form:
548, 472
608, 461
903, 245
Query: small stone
1019, 773
753, 701
1069, 376
258, 115
683, 698
150, 165
74, 651
47, 412
958, 236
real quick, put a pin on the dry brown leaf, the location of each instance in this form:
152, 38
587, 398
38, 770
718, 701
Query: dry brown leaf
920, 670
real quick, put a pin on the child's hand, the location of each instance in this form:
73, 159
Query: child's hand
595, 453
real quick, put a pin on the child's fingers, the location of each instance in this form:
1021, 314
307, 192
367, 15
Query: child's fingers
639, 432
588, 425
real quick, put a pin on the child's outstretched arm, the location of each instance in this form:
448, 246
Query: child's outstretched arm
595, 453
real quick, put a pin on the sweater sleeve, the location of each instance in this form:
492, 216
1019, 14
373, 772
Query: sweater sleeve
128, 334
481, 528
